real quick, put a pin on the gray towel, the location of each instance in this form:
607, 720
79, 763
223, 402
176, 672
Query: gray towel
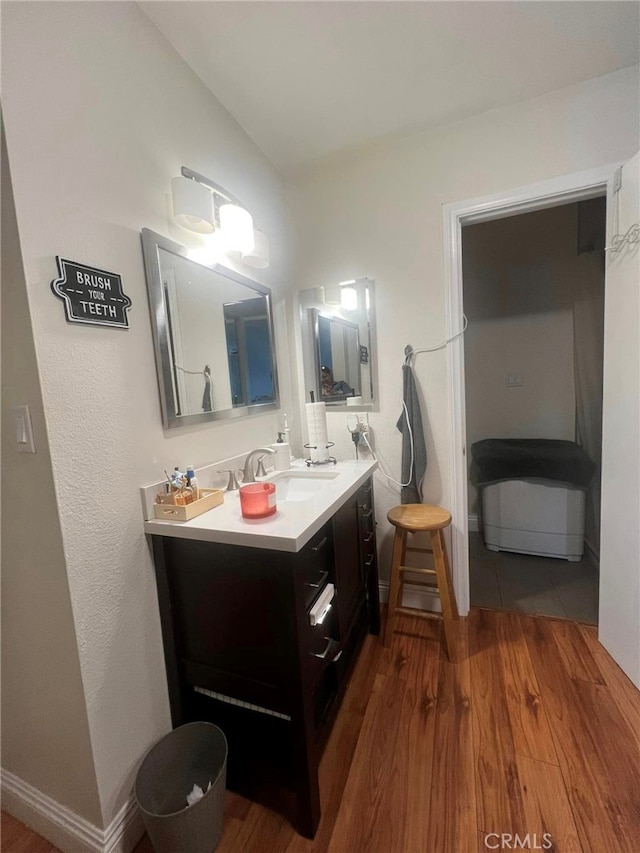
411, 494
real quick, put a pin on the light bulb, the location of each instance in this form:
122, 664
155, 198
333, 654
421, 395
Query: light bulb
236, 225
258, 257
349, 298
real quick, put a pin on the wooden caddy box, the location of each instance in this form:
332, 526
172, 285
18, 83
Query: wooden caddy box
209, 498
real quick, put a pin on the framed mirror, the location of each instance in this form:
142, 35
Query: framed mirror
213, 337
338, 343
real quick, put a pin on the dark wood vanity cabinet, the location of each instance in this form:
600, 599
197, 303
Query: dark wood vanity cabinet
240, 649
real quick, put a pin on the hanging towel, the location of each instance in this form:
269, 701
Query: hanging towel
411, 494
207, 401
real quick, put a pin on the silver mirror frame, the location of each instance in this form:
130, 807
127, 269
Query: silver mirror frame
151, 243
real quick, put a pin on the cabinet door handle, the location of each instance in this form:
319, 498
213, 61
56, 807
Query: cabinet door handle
367, 514
369, 561
369, 536
331, 645
321, 582
320, 545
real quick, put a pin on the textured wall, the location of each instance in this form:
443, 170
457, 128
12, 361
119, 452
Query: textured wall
388, 226
100, 113
45, 731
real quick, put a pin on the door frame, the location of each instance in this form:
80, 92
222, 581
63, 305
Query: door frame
551, 193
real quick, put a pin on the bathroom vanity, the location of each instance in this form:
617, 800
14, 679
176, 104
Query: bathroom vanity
262, 622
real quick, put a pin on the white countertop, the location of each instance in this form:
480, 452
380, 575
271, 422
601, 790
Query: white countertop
288, 530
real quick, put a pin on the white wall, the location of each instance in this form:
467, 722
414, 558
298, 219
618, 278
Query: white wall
619, 617
100, 113
42, 688
388, 226
520, 276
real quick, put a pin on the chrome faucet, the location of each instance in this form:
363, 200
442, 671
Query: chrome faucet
248, 473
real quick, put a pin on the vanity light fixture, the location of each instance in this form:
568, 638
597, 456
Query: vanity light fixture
342, 294
333, 294
258, 257
192, 205
349, 299
203, 206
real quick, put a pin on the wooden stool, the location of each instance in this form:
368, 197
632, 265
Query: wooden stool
417, 518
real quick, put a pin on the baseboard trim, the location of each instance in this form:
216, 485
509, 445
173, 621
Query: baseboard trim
413, 596
64, 828
473, 523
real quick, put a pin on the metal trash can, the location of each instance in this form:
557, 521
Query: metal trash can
195, 753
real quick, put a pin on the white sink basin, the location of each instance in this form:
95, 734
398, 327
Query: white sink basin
296, 486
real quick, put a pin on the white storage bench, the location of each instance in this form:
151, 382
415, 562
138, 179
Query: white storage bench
533, 495
534, 517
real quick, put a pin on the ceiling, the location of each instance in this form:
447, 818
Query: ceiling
307, 79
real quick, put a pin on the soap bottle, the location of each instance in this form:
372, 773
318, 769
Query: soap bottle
283, 455
287, 437
192, 480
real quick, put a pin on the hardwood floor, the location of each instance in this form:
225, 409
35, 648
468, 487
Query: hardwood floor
536, 731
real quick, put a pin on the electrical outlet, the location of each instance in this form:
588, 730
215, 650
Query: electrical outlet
358, 426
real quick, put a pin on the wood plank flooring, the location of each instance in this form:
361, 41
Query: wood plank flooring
535, 731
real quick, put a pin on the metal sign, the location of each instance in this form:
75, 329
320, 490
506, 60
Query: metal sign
91, 295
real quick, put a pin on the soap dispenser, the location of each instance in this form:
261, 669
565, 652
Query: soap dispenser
283, 455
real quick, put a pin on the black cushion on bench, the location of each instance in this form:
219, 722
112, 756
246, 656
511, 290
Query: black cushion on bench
531, 458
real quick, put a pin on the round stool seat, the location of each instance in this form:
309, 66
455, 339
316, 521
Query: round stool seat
416, 517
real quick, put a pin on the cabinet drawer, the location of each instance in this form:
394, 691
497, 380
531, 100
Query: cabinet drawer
368, 534
320, 644
365, 492
366, 520
315, 565
235, 687
352, 644
318, 546
315, 580
321, 640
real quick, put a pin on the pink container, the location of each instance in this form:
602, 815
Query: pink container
257, 500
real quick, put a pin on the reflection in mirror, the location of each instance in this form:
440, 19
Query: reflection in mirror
337, 327
338, 355
246, 326
213, 337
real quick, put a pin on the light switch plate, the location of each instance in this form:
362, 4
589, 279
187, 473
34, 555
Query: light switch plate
23, 431
514, 380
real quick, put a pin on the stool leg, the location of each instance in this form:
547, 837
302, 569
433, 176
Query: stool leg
447, 596
395, 582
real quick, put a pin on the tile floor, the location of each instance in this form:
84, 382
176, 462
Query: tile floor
541, 585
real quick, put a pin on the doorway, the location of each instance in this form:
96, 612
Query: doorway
619, 605
533, 290
557, 191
